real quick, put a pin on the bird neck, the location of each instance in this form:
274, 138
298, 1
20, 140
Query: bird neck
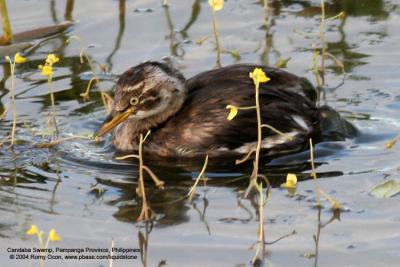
126, 135
175, 104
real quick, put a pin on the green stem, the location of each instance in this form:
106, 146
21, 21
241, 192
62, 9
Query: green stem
246, 108
6, 21
53, 104
216, 35
314, 174
259, 134
13, 104
261, 221
144, 215
323, 44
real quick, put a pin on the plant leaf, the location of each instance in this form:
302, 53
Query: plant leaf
387, 189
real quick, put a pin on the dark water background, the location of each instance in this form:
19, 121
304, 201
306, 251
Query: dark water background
54, 187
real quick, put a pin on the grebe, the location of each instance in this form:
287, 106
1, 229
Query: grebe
188, 118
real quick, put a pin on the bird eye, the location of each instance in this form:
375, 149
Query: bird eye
134, 101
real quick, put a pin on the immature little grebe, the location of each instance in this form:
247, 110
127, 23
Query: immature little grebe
189, 118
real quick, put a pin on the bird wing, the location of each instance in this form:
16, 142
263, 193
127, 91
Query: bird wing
201, 125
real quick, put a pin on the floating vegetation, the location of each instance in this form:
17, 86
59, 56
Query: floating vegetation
44, 242
216, 6
47, 70
390, 144
386, 189
92, 64
146, 214
201, 176
18, 59
8, 36
137, 199
291, 183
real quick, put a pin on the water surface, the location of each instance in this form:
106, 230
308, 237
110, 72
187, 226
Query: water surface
88, 196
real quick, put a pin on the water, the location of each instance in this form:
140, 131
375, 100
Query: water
88, 196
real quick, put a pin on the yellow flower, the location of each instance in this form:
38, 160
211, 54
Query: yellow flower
291, 181
51, 59
216, 4
53, 236
259, 76
8, 58
233, 111
19, 59
33, 230
47, 70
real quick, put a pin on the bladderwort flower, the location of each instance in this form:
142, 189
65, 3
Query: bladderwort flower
33, 230
53, 236
47, 70
233, 111
258, 76
51, 59
18, 59
216, 4
291, 181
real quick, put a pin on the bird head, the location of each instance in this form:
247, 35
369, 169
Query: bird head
149, 92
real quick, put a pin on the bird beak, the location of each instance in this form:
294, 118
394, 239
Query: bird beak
112, 120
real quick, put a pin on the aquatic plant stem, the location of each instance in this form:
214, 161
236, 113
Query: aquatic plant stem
2, 115
261, 229
82, 55
259, 134
316, 69
13, 103
201, 174
266, 13
144, 214
53, 103
314, 174
316, 238
85, 95
216, 36
323, 42
8, 36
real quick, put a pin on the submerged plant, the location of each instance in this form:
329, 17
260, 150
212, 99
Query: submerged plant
47, 70
291, 184
258, 76
146, 213
262, 201
8, 36
44, 242
390, 144
216, 6
323, 54
199, 177
335, 205
82, 56
18, 59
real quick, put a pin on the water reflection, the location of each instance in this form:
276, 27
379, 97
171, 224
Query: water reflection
340, 49
172, 204
69, 8
121, 29
320, 225
176, 44
32, 181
